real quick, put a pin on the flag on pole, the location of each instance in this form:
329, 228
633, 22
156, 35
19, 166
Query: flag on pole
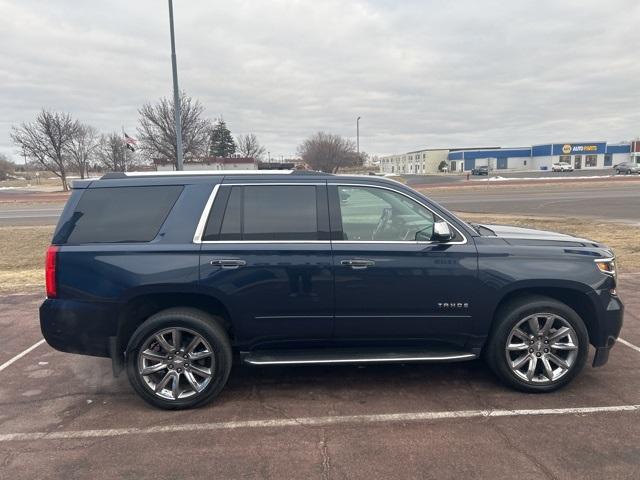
130, 142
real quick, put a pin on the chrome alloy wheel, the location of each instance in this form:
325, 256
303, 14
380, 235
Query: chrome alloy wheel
541, 348
176, 363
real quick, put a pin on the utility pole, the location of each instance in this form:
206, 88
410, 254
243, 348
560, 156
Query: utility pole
176, 93
358, 135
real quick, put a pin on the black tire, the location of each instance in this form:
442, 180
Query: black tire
208, 327
508, 317
617, 172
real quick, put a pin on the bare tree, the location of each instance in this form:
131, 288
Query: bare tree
112, 153
249, 146
157, 133
328, 153
82, 147
46, 141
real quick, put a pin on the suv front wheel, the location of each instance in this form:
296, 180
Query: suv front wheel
179, 358
538, 344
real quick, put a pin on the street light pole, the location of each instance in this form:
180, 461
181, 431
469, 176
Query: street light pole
176, 93
358, 135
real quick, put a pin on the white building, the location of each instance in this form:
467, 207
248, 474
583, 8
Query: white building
419, 162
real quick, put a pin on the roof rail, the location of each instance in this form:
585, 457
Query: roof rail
309, 172
186, 173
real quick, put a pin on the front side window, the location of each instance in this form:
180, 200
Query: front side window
270, 212
375, 214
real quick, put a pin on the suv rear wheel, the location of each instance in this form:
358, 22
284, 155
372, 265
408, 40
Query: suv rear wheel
179, 358
538, 344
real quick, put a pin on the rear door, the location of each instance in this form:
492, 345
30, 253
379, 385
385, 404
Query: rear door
388, 284
266, 253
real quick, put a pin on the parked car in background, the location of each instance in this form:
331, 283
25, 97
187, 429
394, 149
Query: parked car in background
483, 170
175, 275
562, 167
626, 168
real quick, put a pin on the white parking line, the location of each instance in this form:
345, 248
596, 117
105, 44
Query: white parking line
21, 354
630, 345
311, 422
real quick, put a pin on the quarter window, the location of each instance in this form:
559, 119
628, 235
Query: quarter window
118, 215
375, 214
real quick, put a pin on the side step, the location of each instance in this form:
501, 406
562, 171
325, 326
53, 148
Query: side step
355, 356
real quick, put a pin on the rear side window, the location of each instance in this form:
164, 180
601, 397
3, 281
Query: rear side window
269, 212
119, 214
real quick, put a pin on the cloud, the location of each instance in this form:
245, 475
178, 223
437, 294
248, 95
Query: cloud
420, 73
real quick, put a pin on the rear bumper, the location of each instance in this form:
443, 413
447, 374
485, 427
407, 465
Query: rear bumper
79, 327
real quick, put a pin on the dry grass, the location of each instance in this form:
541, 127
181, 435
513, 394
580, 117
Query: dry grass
22, 252
622, 238
22, 249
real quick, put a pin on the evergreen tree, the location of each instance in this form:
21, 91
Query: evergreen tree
222, 143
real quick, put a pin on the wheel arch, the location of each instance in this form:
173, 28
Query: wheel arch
575, 298
140, 307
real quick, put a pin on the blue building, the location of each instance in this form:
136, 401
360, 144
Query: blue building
582, 155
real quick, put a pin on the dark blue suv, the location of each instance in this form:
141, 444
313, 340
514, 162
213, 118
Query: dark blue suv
172, 275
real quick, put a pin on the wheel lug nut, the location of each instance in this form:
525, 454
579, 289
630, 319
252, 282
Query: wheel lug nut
531, 342
531, 350
546, 350
179, 370
171, 366
538, 354
170, 357
186, 356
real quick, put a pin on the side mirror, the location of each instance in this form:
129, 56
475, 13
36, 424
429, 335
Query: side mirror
441, 232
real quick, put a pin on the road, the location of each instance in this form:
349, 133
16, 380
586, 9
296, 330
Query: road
65, 416
34, 215
605, 200
455, 178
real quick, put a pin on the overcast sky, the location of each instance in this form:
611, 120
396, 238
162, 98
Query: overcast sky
419, 73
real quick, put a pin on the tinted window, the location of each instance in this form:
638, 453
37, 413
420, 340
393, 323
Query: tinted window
375, 214
231, 223
119, 214
270, 212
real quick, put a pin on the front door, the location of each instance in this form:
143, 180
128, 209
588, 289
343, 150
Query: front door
266, 254
577, 162
391, 280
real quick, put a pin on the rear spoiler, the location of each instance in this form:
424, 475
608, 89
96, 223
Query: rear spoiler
80, 184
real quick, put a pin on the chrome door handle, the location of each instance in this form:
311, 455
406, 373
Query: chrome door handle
357, 264
228, 263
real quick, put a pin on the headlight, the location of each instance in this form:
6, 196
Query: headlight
607, 266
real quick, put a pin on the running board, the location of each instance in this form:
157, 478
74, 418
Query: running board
355, 356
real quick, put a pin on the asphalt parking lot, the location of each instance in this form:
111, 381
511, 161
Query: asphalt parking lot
65, 416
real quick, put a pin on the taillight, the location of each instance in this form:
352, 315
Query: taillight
50, 271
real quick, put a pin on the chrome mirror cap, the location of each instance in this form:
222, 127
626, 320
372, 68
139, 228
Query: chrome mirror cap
442, 232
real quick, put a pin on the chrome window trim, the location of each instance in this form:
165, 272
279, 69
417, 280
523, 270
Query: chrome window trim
402, 242
197, 238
